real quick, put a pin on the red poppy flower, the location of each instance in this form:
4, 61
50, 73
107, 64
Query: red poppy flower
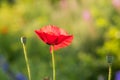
54, 36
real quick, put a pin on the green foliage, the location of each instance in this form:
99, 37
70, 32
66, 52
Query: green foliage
95, 36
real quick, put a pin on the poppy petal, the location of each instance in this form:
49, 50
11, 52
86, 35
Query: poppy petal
47, 38
62, 32
41, 35
61, 38
51, 39
51, 29
64, 43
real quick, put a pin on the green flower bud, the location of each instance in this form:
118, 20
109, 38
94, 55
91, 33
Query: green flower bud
109, 59
23, 40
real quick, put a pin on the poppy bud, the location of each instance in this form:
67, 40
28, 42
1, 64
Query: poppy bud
46, 78
23, 40
109, 59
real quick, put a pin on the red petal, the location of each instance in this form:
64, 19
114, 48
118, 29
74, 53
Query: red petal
62, 32
61, 38
51, 39
41, 35
51, 30
47, 38
64, 43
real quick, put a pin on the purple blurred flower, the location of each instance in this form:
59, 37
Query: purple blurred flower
86, 15
116, 3
5, 67
19, 76
2, 60
3, 64
64, 4
117, 75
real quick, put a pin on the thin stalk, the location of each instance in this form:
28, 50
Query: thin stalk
110, 71
53, 64
26, 59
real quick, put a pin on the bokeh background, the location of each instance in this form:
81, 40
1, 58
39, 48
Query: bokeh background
95, 25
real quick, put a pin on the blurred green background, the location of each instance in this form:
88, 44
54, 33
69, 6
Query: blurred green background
95, 25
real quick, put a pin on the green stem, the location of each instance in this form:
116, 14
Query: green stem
53, 63
110, 71
26, 59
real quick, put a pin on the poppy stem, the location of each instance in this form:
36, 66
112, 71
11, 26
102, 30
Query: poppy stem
25, 55
110, 71
53, 63
109, 58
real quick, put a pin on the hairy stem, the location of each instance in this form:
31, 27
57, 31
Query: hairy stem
26, 59
110, 71
53, 63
